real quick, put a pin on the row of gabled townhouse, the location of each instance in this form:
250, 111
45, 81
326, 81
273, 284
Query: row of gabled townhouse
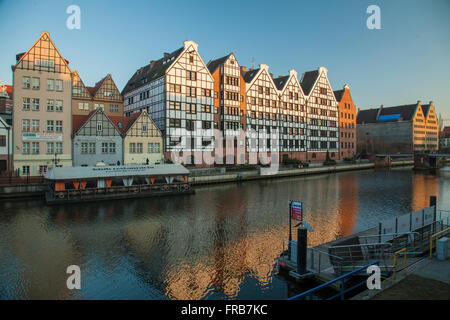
197, 106
48, 97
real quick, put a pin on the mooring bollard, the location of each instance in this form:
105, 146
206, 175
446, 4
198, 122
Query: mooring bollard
302, 245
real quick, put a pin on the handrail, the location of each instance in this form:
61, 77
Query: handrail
395, 260
326, 253
340, 278
388, 234
364, 244
433, 238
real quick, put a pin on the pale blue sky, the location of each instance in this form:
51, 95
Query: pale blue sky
407, 60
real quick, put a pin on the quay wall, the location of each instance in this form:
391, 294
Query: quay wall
12, 192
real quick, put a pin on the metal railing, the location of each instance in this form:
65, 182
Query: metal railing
355, 255
341, 278
433, 239
395, 260
319, 258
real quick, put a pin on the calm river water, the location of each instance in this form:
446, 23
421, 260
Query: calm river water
217, 244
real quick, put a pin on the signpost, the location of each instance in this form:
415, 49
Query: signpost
296, 213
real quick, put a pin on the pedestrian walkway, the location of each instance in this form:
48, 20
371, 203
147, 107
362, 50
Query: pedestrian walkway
427, 279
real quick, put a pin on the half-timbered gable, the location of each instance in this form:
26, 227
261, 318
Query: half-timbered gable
143, 141
96, 139
262, 114
292, 115
322, 111
177, 92
229, 97
104, 95
42, 108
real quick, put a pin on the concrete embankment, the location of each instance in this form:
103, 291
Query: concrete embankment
254, 175
14, 192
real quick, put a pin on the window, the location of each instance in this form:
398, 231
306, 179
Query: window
150, 148
113, 108
104, 147
26, 82
191, 75
323, 90
99, 126
157, 147
25, 125
206, 108
35, 104
2, 141
35, 147
139, 148
144, 127
50, 84
206, 124
50, 148
190, 125
176, 123
191, 92
50, 104
36, 83
92, 148
174, 105
26, 148
26, 170
49, 125
84, 148
35, 125
42, 170
190, 108
58, 126
59, 85
112, 148
26, 104
59, 147
109, 94
132, 148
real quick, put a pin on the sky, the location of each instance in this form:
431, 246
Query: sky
407, 60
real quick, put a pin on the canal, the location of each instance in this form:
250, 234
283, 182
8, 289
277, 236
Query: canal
217, 244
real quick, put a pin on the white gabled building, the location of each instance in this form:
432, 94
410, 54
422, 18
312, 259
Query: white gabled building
262, 110
292, 114
177, 92
322, 116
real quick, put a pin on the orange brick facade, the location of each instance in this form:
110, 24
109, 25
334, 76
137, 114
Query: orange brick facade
347, 124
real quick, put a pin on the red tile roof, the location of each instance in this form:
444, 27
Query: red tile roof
9, 90
124, 123
78, 121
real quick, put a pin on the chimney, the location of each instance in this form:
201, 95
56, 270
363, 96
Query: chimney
166, 54
271, 75
418, 101
152, 63
244, 69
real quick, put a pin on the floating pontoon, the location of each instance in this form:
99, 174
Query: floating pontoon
81, 184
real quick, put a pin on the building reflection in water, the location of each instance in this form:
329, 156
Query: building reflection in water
220, 243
